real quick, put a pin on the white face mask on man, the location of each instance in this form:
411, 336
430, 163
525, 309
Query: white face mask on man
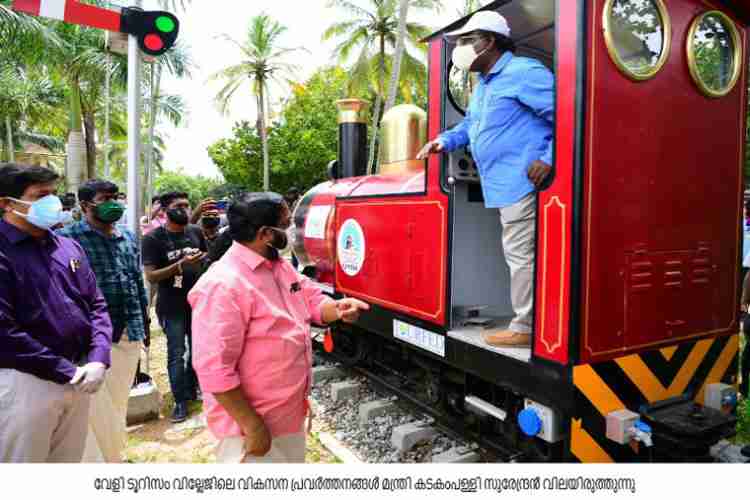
465, 55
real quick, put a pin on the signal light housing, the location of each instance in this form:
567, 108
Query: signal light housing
156, 30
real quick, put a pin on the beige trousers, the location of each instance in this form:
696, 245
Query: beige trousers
40, 421
106, 436
519, 226
287, 449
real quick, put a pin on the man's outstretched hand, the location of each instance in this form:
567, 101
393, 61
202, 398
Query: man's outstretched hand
349, 309
430, 148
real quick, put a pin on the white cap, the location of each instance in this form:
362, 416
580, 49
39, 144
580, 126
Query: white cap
486, 20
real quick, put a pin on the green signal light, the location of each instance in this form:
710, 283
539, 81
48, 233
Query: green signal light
165, 24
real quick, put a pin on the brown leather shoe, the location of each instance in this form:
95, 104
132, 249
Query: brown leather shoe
506, 338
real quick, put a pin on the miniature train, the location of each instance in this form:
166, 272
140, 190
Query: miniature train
635, 347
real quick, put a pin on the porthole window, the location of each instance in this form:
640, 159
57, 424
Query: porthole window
714, 53
638, 34
461, 85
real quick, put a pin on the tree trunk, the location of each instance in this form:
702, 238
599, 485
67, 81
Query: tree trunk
155, 94
76, 145
372, 162
400, 49
264, 137
89, 124
9, 139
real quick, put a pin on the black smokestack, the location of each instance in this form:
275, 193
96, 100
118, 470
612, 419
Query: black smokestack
352, 138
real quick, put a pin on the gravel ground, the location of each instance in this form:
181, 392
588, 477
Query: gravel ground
372, 442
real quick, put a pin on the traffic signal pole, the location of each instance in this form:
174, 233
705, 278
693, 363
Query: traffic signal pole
153, 32
134, 131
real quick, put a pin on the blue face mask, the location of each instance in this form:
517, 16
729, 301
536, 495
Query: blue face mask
45, 212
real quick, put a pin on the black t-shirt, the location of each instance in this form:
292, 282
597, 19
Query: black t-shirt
161, 249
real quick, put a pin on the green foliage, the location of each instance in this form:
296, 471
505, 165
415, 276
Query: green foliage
261, 61
743, 423
304, 140
197, 187
367, 39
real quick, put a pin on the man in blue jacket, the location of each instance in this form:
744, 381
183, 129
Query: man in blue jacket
509, 126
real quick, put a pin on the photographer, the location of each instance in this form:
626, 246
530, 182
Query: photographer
173, 257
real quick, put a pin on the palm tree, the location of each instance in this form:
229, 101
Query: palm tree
176, 62
375, 29
26, 97
14, 24
262, 64
83, 63
403, 11
23, 41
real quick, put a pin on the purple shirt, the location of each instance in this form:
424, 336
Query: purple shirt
52, 315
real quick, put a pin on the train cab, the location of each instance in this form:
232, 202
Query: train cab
636, 278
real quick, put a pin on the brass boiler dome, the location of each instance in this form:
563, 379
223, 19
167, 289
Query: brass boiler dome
403, 132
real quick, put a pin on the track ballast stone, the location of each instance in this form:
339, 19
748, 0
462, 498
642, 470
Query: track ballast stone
372, 442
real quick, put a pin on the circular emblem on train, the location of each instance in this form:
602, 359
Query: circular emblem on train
351, 247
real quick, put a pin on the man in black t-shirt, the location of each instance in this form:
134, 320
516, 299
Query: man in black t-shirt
173, 257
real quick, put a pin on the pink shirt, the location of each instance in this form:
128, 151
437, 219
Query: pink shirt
156, 222
251, 328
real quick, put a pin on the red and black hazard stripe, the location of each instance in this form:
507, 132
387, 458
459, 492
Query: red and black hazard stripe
631, 381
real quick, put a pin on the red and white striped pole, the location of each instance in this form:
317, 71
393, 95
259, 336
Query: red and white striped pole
71, 11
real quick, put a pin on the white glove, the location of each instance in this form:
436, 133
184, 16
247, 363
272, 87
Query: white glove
89, 378
78, 376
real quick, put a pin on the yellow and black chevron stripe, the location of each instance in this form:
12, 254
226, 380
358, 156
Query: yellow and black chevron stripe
637, 379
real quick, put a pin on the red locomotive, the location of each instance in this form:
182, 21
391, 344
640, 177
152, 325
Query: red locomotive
635, 347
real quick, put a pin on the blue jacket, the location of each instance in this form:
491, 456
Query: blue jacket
509, 125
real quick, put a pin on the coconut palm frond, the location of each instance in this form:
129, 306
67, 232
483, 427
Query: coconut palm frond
173, 108
52, 143
338, 29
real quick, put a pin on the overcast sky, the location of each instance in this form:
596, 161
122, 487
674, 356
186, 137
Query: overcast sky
201, 23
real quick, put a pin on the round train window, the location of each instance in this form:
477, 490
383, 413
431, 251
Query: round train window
461, 85
638, 35
714, 53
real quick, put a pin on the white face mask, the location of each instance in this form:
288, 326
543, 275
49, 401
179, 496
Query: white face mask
464, 56
44, 213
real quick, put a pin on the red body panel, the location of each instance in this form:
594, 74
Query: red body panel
663, 169
405, 267
404, 239
322, 251
555, 214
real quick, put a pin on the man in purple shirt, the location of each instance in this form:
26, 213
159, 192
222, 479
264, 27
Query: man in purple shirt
55, 332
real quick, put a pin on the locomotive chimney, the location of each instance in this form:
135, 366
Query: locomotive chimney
352, 138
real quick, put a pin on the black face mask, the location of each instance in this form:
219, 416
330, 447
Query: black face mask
277, 244
273, 254
178, 216
211, 222
280, 240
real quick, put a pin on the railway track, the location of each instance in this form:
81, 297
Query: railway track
374, 425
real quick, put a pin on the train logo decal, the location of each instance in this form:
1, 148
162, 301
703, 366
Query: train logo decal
351, 247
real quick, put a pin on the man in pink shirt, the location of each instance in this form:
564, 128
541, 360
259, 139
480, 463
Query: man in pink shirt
251, 337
